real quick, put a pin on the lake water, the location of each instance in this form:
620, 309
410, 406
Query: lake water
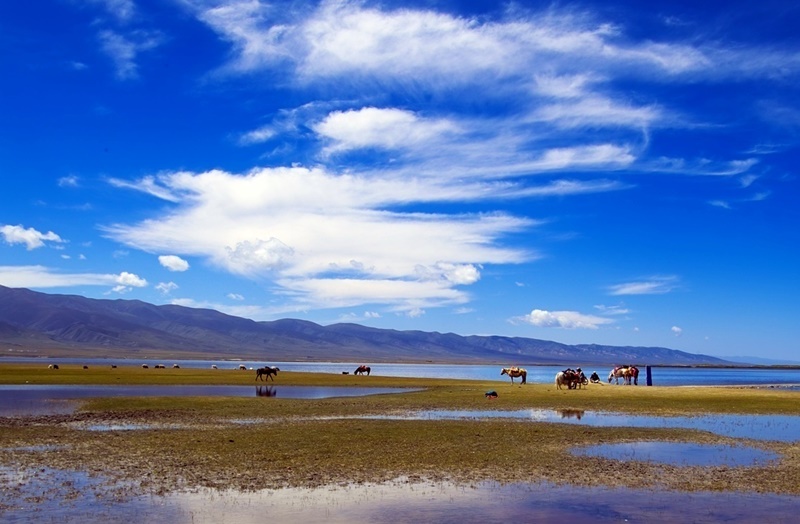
27, 400
662, 376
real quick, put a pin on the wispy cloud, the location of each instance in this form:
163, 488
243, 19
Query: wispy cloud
657, 285
44, 277
124, 49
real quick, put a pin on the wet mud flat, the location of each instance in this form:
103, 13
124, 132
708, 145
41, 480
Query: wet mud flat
193, 458
129, 454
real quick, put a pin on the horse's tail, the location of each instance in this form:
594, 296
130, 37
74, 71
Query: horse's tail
524, 377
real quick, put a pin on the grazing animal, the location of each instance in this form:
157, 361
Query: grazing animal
628, 374
85, 367
160, 366
175, 366
571, 378
52, 366
213, 366
242, 367
360, 370
145, 366
268, 371
113, 366
514, 372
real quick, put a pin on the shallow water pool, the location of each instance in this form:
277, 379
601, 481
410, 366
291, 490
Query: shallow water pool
76, 497
784, 428
680, 453
30, 400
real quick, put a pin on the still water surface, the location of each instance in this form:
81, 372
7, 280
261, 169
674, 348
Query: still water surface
77, 498
27, 400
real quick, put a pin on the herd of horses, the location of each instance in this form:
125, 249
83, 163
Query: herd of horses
572, 378
575, 378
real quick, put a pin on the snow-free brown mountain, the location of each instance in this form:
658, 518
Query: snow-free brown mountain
42, 324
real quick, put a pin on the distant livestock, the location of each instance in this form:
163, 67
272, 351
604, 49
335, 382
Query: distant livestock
52, 366
242, 367
85, 367
213, 366
160, 366
360, 370
145, 366
175, 366
113, 366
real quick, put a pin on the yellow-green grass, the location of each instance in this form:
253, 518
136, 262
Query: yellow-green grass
255, 442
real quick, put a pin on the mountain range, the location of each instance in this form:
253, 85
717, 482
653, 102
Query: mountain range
41, 324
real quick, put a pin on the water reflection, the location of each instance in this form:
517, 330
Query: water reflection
572, 413
680, 453
76, 497
32, 400
784, 428
266, 391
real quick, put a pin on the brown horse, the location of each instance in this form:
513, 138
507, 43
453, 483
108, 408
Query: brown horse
626, 373
360, 370
514, 372
268, 371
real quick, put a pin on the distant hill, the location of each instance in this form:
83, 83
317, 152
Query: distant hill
41, 324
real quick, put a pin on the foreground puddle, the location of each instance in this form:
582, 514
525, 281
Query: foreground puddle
29, 400
680, 453
75, 497
784, 428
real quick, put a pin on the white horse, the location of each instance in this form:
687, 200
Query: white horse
514, 372
626, 373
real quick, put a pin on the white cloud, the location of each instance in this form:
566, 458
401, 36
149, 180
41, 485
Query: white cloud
173, 263
658, 285
612, 310
235, 296
122, 10
676, 331
257, 136
563, 319
68, 181
384, 128
32, 238
309, 229
44, 277
124, 49
166, 287
130, 279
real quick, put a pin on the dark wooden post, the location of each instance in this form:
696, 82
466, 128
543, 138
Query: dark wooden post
649, 376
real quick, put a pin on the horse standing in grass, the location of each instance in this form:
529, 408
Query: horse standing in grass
268, 371
514, 372
626, 373
360, 370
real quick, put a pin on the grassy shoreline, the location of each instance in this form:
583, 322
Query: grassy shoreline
253, 443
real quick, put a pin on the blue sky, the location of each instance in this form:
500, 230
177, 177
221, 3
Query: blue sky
588, 172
